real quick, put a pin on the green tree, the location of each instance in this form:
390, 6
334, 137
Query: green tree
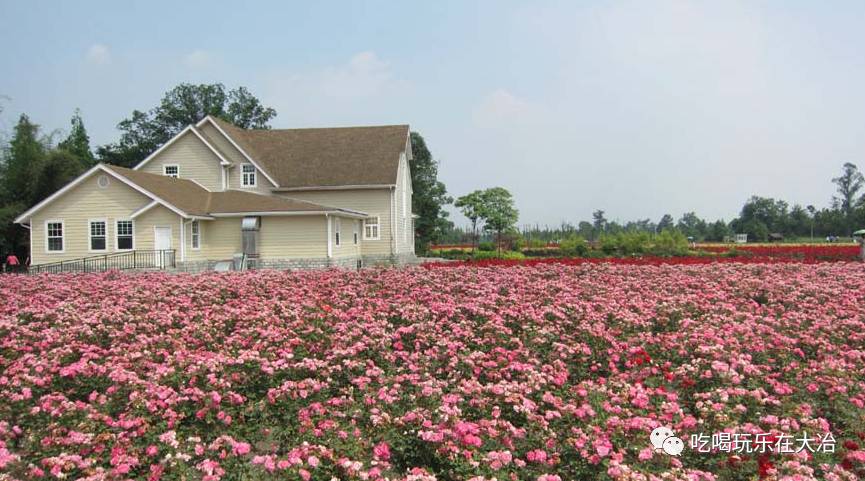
78, 142
717, 231
692, 226
499, 214
666, 223
429, 195
849, 183
186, 104
20, 170
472, 207
599, 223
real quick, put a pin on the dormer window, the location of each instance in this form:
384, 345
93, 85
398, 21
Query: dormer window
247, 175
171, 170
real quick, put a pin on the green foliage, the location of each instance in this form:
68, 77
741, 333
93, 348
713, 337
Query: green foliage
486, 247
429, 195
506, 255
185, 104
472, 207
669, 243
499, 213
78, 142
574, 246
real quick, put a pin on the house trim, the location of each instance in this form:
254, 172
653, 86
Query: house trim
354, 215
215, 125
334, 187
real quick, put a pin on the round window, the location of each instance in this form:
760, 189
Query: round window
102, 181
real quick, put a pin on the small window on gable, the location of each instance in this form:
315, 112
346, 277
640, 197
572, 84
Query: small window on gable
247, 175
171, 170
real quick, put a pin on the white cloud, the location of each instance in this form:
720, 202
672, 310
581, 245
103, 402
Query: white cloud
98, 54
364, 75
198, 59
501, 108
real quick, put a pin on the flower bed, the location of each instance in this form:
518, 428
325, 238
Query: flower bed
541, 372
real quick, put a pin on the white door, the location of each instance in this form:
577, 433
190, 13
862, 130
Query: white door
162, 239
161, 242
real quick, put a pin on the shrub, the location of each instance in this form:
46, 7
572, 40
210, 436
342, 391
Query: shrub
670, 243
574, 247
506, 255
486, 246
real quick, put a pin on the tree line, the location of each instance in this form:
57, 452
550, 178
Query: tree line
761, 218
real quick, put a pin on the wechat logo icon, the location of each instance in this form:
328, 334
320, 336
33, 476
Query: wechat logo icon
663, 439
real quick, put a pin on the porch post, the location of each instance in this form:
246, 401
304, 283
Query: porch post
329, 247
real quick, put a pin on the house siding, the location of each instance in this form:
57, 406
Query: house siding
293, 237
371, 201
403, 198
75, 208
196, 161
220, 239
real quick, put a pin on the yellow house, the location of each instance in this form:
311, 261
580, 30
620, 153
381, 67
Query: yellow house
288, 198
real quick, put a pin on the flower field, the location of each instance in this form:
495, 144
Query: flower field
547, 372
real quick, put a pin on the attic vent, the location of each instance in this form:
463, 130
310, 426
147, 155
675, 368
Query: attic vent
102, 181
250, 223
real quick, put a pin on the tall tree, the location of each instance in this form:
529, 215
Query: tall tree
599, 222
849, 183
666, 223
499, 213
429, 194
692, 226
472, 207
23, 164
78, 142
186, 104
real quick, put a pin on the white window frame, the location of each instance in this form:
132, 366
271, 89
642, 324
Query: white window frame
243, 175
377, 226
356, 234
117, 235
62, 236
195, 237
337, 231
165, 169
90, 235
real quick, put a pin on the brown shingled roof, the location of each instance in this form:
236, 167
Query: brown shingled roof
194, 199
324, 157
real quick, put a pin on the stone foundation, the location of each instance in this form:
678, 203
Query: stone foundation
349, 263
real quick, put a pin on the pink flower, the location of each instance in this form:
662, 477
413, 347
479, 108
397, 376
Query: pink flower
381, 451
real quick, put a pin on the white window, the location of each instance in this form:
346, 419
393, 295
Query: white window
124, 235
247, 175
98, 233
337, 227
371, 228
355, 229
171, 170
54, 240
196, 234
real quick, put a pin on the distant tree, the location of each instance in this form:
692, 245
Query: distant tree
499, 214
429, 194
849, 183
717, 231
472, 206
692, 226
666, 223
58, 169
186, 104
599, 223
78, 142
761, 216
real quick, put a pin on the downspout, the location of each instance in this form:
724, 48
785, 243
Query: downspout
329, 247
393, 221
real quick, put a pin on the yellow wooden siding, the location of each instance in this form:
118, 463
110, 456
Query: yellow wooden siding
159, 216
196, 161
371, 201
286, 237
222, 143
220, 239
263, 185
403, 228
75, 208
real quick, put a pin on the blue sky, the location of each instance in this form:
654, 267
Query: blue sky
637, 107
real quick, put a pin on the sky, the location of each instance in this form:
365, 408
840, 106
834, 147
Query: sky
639, 108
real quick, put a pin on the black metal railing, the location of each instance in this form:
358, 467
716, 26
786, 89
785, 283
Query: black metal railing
137, 259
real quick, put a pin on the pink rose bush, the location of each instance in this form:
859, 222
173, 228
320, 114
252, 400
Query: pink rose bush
546, 372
